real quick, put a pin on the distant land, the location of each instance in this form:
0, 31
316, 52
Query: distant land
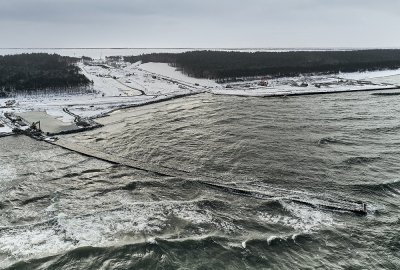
98, 53
30, 72
230, 64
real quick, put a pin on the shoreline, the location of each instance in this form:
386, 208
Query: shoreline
310, 93
117, 88
168, 98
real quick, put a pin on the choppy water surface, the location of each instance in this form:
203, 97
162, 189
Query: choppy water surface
61, 210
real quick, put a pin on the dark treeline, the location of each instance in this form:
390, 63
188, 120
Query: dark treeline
222, 65
38, 72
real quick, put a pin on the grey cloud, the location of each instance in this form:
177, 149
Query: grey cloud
195, 23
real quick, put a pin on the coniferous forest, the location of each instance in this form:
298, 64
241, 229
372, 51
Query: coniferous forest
224, 64
38, 72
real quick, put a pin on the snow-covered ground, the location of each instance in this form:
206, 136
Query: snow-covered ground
285, 86
343, 82
171, 72
118, 85
369, 74
4, 128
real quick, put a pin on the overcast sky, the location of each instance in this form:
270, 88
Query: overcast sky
199, 23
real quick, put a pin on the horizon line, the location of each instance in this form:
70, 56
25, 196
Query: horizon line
171, 48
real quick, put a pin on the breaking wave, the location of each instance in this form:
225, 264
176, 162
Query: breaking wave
215, 252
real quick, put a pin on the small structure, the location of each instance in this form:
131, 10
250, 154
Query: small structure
263, 83
36, 126
10, 103
303, 84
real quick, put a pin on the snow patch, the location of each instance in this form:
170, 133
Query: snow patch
171, 72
